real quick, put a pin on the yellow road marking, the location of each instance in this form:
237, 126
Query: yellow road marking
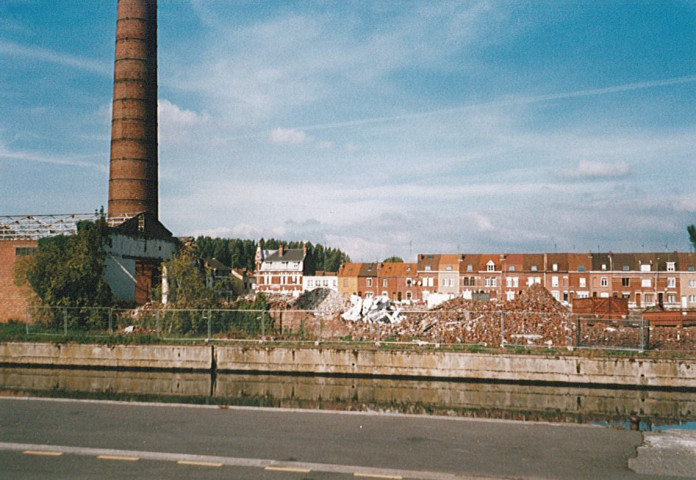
199, 464
288, 469
42, 452
374, 475
117, 457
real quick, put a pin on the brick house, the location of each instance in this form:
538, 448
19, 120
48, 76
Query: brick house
280, 271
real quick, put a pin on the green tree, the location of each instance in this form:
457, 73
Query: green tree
67, 271
692, 235
187, 287
393, 260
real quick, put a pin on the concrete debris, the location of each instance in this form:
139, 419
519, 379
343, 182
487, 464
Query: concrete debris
372, 310
533, 318
321, 300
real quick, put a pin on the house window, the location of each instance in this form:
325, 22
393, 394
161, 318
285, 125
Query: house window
604, 281
583, 283
581, 268
671, 298
535, 268
645, 282
409, 282
23, 251
369, 282
511, 268
490, 266
625, 282
469, 268
671, 282
645, 267
555, 267
604, 267
554, 281
448, 268
384, 282
626, 268
428, 268
692, 283
671, 266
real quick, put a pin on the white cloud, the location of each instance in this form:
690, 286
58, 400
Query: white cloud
289, 136
595, 170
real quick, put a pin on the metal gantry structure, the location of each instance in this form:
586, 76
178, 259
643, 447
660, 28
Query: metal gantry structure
34, 227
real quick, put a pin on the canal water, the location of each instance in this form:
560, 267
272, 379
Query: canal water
655, 409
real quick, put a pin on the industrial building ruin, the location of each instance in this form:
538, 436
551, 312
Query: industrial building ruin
139, 243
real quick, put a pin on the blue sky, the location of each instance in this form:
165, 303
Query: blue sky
381, 128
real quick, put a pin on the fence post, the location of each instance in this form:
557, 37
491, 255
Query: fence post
209, 312
65, 321
263, 325
158, 327
111, 321
502, 328
641, 347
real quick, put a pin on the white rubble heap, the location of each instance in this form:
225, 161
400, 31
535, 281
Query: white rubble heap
372, 310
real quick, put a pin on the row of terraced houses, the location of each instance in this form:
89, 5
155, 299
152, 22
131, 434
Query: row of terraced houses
644, 279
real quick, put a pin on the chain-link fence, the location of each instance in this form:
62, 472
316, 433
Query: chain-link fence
419, 327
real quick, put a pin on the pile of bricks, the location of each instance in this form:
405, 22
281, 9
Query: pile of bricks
533, 318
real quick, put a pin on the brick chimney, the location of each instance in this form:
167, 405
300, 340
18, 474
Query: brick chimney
133, 166
281, 250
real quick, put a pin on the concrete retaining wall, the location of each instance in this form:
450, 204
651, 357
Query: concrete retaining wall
175, 357
451, 365
644, 372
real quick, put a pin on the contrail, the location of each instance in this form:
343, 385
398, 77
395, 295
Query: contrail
508, 101
42, 54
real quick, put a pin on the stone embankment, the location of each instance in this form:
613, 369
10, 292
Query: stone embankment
625, 372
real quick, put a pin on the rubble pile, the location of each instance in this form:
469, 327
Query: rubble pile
322, 300
673, 338
372, 310
533, 318
629, 334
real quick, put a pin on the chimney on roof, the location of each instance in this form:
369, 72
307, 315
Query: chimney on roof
281, 250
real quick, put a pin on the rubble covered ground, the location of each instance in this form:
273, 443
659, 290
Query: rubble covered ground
533, 318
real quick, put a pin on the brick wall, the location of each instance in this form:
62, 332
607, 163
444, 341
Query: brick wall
12, 301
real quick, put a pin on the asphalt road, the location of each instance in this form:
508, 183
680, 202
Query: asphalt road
55, 439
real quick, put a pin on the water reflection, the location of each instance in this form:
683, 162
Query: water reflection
483, 400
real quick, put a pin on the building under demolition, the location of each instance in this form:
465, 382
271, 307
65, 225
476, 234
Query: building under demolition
138, 242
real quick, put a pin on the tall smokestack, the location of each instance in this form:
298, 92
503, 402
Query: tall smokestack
133, 166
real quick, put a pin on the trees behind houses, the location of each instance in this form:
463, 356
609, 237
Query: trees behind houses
238, 253
691, 229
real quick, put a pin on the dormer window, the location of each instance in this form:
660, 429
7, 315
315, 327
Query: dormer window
671, 266
490, 266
